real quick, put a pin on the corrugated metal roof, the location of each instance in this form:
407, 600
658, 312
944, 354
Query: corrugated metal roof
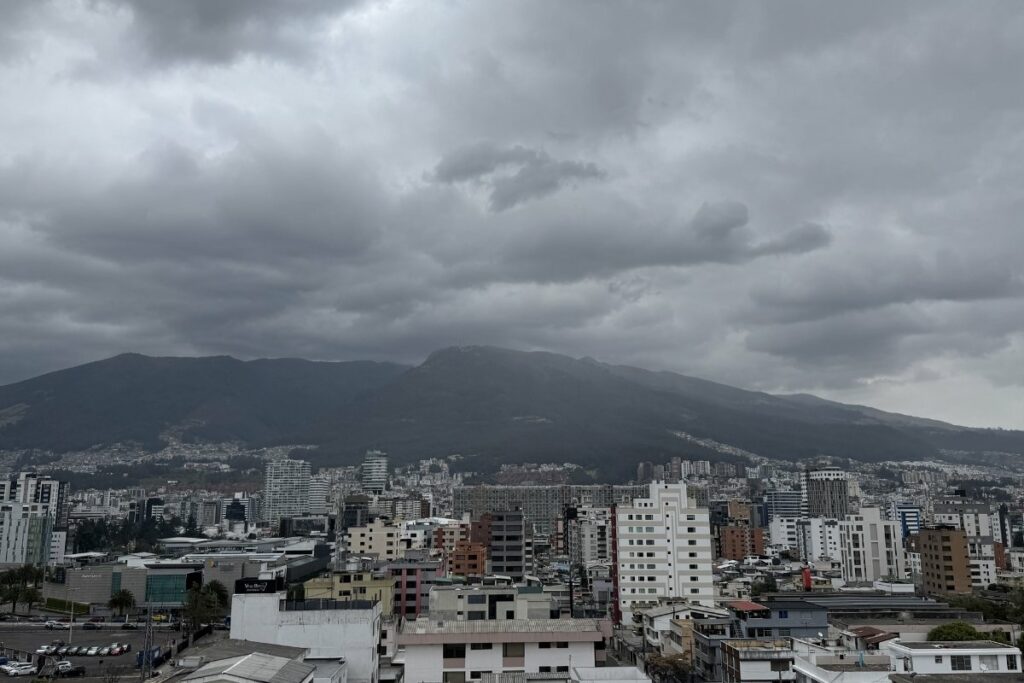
256, 667
746, 606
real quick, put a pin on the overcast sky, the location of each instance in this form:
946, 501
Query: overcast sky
789, 196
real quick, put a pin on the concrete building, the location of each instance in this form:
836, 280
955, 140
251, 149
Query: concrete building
908, 515
945, 561
817, 538
472, 603
757, 661
353, 585
33, 520
542, 506
740, 540
379, 538
459, 651
976, 658
467, 559
976, 519
286, 490
413, 579
871, 547
782, 532
787, 504
319, 495
328, 629
663, 550
507, 544
252, 668
826, 493
374, 472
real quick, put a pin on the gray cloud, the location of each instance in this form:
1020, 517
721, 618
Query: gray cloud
800, 198
513, 174
220, 31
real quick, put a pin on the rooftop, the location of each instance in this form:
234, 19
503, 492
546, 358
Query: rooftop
256, 667
957, 645
747, 606
431, 626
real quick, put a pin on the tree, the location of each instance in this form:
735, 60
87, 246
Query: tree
220, 593
12, 594
200, 608
668, 668
122, 601
192, 527
955, 630
31, 595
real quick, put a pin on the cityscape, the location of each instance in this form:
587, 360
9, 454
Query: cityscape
512, 341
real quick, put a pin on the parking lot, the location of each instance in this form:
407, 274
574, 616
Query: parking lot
29, 637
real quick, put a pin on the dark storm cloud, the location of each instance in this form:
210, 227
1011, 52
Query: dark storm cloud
796, 196
513, 174
220, 31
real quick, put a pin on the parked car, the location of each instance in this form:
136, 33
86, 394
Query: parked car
3, 660
73, 650
69, 670
104, 651
63, 650
129, 626
98, 620
23, 669
51, 624
92, 651
90, 626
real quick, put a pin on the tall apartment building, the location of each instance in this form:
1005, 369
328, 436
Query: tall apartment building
908, 515
542, 506
33, 519
374, 472
591, 539
738, 541
871, 547
783, 504
319, 495
507, 544
286, 490
826, 493
817, 538
945, 561
663, 550
977, 521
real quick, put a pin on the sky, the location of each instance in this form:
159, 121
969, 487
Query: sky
784, 196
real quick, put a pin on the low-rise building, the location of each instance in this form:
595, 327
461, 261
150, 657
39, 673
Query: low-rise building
353, 585
974, 657
757, 661
458, 651
472, 603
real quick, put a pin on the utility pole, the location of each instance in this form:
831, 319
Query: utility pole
570, 514
146, 668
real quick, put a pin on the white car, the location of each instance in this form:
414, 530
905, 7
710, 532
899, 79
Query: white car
25, 669
11, 666
93, 651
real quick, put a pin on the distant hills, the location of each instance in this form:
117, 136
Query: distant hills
495, 404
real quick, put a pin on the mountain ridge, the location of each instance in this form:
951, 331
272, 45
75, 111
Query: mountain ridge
498, 405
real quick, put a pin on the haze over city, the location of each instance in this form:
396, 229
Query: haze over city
794, 196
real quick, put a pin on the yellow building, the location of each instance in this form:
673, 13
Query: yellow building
353, 585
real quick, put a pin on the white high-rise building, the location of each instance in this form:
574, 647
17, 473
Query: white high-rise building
817, 538
286, 489
33, 519
374, 472
871, 547
319, 495
663, 550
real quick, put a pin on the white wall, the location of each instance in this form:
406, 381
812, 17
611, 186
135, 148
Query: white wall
424, 663
328, 634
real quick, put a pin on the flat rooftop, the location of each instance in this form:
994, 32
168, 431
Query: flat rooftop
957, 645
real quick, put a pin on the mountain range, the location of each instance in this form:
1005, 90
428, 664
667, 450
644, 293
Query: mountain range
497, 405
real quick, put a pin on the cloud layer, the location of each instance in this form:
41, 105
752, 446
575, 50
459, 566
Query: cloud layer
805, 198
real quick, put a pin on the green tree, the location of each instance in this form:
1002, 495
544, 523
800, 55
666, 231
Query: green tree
191, 527
219, 592
30, 595
122, 601
12, 594
955, 630
200, 608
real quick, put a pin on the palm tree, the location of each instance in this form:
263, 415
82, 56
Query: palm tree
31, 595
123, 600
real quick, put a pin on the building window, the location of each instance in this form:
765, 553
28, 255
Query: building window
1011, 662
783, 614
454, 677
480, 646
513, 650
544, 646
938, 659
562, 644
477, 599
544, 669
960, 662
455, 651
